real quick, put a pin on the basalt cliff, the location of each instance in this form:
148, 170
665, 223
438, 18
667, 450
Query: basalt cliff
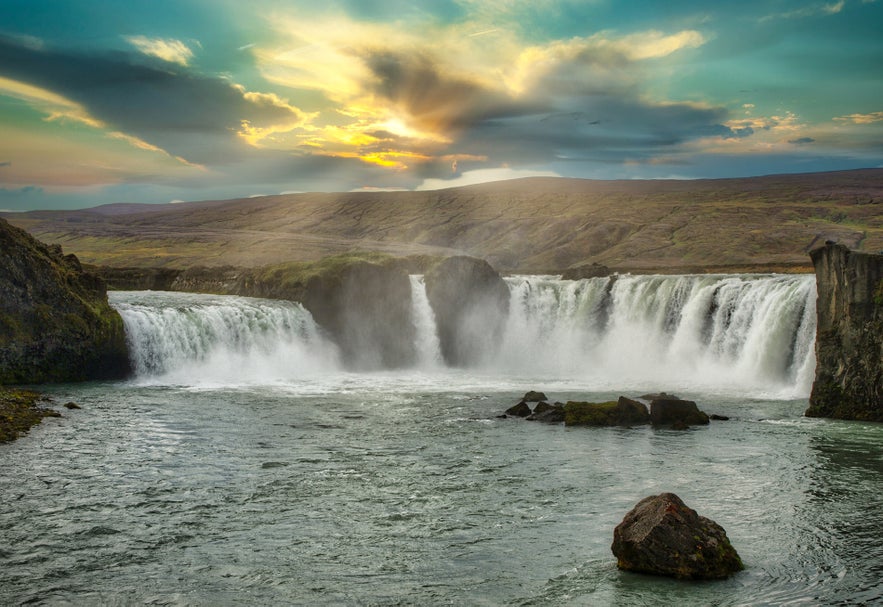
849, 339
55, 322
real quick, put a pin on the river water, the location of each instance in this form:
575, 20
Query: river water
242, 465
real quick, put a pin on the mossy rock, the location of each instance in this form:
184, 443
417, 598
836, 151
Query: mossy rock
19, 412
55, 319
622, 412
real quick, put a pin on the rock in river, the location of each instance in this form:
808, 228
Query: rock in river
663, 536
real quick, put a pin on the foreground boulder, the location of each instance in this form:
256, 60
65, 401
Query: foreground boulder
662, 536
849, 335
622, 412
676, 412
55, 322
470, 301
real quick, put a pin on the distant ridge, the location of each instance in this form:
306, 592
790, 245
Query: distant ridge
533, 224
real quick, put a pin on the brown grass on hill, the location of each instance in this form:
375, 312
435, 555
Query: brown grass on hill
525, 225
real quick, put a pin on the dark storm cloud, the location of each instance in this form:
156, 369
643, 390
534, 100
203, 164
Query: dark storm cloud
159, 103
581, 110
436, 99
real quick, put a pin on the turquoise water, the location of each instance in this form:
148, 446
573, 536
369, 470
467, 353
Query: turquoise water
244, 465
382, 489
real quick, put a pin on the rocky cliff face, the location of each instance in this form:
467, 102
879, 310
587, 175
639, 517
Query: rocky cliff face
849, 340
365, 305
55, 322
471, 304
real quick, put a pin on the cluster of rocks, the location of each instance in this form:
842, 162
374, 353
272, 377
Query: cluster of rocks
664, 410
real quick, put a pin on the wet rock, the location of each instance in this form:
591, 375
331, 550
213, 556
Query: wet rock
19, 411
552, 414
72, 405
662, 536
656, 396
470, 301
589, 270
622, 412
534, 397
717, 417
522, 409
674, 411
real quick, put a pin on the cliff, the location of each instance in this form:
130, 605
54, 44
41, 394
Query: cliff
470, 301
362, 301
849, 340
55, 322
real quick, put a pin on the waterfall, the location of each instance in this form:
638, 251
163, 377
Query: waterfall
188, 338
741, 333
427, 346
735, 334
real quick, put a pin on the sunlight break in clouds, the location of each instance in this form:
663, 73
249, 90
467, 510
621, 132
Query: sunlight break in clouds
482, 176
862, 118
399, 100
173, 51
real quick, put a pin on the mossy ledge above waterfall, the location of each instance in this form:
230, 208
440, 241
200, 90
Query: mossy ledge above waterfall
849, 340
55, 322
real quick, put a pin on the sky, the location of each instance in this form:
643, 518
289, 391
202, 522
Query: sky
159, 101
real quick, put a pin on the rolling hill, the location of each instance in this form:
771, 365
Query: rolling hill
525, 225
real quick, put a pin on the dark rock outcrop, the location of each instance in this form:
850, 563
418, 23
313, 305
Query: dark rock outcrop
19, 411
364, 305
471, 304
533, 396
55, 322
623, 412
522, 409
676, 412
849, 335
206, 280
662, 536
589, 270
549, 413
137, 279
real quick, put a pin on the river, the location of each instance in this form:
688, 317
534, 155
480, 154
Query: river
243, 465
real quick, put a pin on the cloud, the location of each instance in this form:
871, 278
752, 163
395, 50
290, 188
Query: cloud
173, 51
205, 120
813, 10
6, 163
861, 118
801, 141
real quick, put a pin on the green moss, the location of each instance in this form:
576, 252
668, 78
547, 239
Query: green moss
296, 273
878, 294
589, 414
19, 412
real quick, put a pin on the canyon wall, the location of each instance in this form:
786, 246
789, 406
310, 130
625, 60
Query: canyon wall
849, 341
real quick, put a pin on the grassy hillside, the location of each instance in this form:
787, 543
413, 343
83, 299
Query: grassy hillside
526, 225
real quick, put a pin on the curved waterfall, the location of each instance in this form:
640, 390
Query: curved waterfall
741, 333
738, 334
185, 337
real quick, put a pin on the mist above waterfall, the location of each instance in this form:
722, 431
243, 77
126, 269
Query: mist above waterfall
750, 335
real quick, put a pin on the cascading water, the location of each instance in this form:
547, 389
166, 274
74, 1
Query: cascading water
427, 346
187, 338
746, 334
749, 335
